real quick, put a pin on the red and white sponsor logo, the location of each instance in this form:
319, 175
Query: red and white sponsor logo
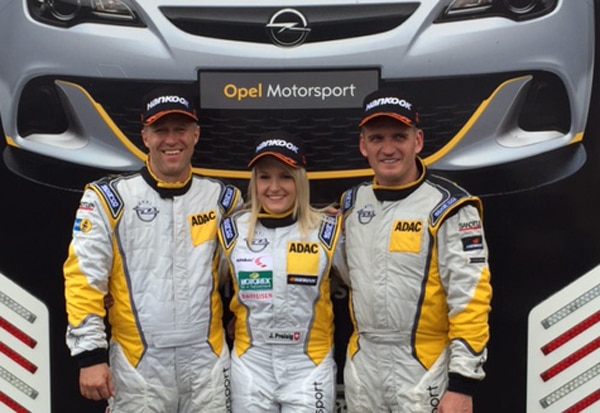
87, 206
469, 226
256, 296
259, 261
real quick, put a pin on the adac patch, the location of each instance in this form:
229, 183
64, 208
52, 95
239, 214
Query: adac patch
406, 236
297, 247
203, 227
203, 218
472, 243
303, 258
228, 231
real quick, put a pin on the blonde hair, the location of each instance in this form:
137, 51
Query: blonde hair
305, 214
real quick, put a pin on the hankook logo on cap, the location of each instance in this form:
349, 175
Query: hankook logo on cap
288, 28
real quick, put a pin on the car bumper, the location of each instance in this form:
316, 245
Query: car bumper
494, 91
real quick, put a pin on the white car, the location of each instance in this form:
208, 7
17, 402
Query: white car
504, 85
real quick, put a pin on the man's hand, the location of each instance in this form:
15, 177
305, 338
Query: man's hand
453, 402
108, 301
331, 210
95, 382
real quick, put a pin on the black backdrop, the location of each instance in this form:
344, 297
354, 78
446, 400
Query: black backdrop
540, 241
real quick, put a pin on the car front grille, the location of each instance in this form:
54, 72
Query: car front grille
330, 135
323, 23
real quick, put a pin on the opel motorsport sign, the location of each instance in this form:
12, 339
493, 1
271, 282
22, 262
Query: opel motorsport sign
286, 90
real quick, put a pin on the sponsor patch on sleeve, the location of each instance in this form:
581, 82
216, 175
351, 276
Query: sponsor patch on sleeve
229, 232
443, 207
113, 200
476, 260
87, 206
227, 198
82, 225
472, 243
474, 225
348, 200
327, 231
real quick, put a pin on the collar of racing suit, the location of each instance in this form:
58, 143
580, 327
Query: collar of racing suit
165, 191
396, 193
272, 220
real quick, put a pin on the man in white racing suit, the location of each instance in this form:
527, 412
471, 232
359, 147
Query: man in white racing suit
148, 240
418, 275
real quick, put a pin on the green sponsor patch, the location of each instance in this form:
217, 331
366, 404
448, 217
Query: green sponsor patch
255, 280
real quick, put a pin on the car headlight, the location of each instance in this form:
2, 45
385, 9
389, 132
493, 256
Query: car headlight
68, 13
511, 9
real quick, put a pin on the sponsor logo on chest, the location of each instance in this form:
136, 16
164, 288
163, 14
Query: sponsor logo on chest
284, 337
203, 218
304, 247
255, 280
145, 211
408, 226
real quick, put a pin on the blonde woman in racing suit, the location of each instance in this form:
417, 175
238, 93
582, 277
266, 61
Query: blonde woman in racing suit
280, 252
418, 275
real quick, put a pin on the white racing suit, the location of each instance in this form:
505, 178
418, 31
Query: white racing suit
152, 249
282, 359
420, 295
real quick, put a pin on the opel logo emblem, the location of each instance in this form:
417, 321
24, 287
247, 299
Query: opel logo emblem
288, 28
